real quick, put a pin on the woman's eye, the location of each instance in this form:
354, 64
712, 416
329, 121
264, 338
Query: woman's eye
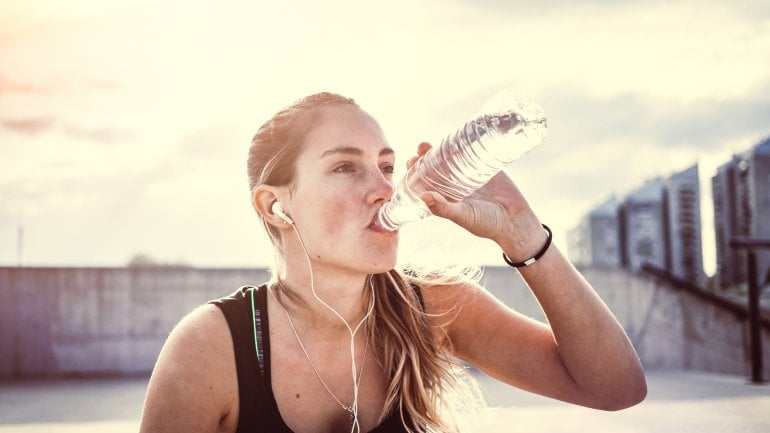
388, 169
345, 167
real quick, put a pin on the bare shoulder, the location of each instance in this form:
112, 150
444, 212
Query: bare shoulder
206, 324
202, 339
194, 386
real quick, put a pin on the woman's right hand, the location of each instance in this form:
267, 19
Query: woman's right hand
496, 211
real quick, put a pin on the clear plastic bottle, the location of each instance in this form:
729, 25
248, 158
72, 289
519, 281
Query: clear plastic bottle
508, 126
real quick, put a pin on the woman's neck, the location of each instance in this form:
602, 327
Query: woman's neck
346, 294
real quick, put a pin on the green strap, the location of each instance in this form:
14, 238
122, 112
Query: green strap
254, 323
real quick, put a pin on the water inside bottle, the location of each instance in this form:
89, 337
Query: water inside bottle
466, 160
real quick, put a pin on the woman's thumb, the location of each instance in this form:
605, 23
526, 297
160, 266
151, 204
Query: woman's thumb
437, 204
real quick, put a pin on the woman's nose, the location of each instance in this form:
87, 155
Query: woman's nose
381, 188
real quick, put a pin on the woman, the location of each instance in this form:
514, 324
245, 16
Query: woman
338, 340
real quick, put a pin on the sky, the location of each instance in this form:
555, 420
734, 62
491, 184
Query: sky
124, 125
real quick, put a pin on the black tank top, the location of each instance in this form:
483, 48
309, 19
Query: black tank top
258, 410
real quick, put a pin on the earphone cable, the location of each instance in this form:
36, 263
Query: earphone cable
355, 428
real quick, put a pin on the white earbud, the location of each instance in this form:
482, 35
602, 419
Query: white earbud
278, 210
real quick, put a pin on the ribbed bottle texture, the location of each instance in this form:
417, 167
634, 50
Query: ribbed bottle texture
509, 126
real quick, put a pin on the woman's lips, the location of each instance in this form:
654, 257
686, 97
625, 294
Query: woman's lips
377, 228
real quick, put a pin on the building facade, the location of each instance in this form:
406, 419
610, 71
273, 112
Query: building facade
685, 253
643, 230
596, 240
660, 223
741, 194
731, 265
657, 224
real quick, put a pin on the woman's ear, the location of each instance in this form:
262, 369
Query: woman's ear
263, 198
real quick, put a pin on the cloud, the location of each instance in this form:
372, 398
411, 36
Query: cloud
704, 124
76, 85
102, 134
586, 121
37, 125
39, 108
30, 125
709, 124
9, 86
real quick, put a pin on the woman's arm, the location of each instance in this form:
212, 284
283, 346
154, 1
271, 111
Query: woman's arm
193, 387
582, 355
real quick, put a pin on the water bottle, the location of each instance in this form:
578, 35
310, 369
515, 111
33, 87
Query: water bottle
508, 126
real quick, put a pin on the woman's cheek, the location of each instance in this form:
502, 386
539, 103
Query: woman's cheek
336, 215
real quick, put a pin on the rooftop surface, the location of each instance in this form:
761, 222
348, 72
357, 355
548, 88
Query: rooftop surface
677, 401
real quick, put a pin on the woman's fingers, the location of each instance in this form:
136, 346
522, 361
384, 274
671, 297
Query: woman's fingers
422, 149
411, 162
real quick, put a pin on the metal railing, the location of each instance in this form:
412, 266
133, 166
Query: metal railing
754, 313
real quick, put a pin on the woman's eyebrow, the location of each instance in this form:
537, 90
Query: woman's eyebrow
350, 150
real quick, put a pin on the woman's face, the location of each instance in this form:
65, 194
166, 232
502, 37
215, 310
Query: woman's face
343, 176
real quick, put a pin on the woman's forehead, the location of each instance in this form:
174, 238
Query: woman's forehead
345, 127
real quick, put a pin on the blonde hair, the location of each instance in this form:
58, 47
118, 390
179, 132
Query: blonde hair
423, 376
428, 386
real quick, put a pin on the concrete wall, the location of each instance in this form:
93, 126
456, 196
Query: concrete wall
669, 328
100, 321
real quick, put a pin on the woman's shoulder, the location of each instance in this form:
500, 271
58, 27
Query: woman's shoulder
201, 325
208, 328
200, 341
195, 372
